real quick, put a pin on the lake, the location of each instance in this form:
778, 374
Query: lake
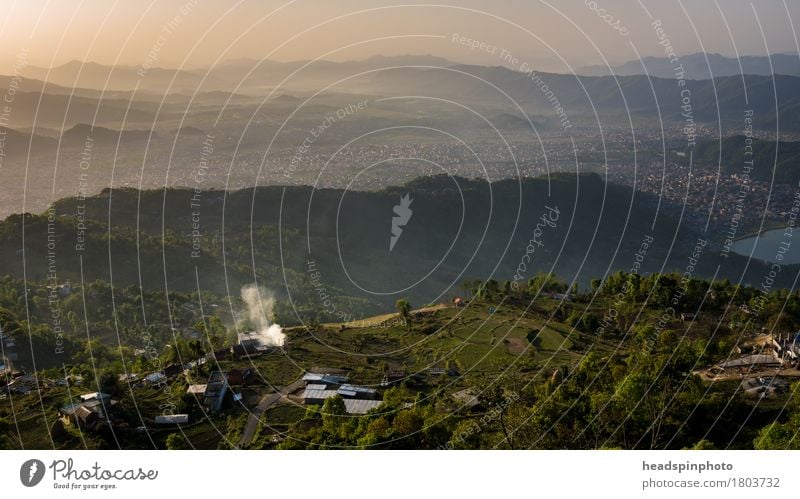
766, 247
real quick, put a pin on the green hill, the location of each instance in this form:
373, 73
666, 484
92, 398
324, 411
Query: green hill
305, 244
767, 156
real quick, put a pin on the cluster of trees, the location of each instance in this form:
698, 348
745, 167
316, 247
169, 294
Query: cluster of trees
784, 432
734, 303
37, 341
391, 426
777, 309
494, 290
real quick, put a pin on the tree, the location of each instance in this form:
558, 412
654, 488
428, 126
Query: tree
5, 431
703, 445
176, 441
333, 414
404, 310
8, 323
498, 403
196, 348
73, 319
777, 436
109, 383
782, 436
466, 287
491, 289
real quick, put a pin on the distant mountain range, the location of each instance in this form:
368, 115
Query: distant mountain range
249, 75
721, 99
701, 66
772, 161
246, 74
612, 98
166, 99
17, 142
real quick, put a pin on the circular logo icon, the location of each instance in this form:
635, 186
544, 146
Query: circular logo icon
31, 472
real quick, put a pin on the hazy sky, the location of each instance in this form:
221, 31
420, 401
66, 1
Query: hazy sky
195, 33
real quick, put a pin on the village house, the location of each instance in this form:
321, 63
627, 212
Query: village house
90, 413
325, 379
216, 389
171, 419
357, 399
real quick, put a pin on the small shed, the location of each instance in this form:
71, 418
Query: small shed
172, 419
361, 406
357, 392
466, 398
315, 397
197, 390
756, 360
95, 396
325, 379
155, 378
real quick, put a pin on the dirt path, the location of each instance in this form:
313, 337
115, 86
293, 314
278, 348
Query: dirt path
764, 373
379, 319
267, 401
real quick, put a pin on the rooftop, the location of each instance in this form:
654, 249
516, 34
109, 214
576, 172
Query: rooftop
329, 379
318, 394
751, 360
172, 419
354, 391
316, 387
361, 406
94, 395
196, 389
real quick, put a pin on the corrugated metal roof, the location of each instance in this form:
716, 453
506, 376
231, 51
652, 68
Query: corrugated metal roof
316, 387
325, 378
70, 409
360, 406
197, 389
155, 377
751, 360
466, 397
318, 394
94, 395
172, 419
358, 389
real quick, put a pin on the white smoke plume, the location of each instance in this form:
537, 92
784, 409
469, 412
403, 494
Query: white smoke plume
260, 305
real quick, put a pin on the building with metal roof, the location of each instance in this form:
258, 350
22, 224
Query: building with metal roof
466, 398
216, 389
156, 377
316, 387
315, 396
325, 379
357, 392
198, 390
361, 406
756, 360
172, 419
95, 395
